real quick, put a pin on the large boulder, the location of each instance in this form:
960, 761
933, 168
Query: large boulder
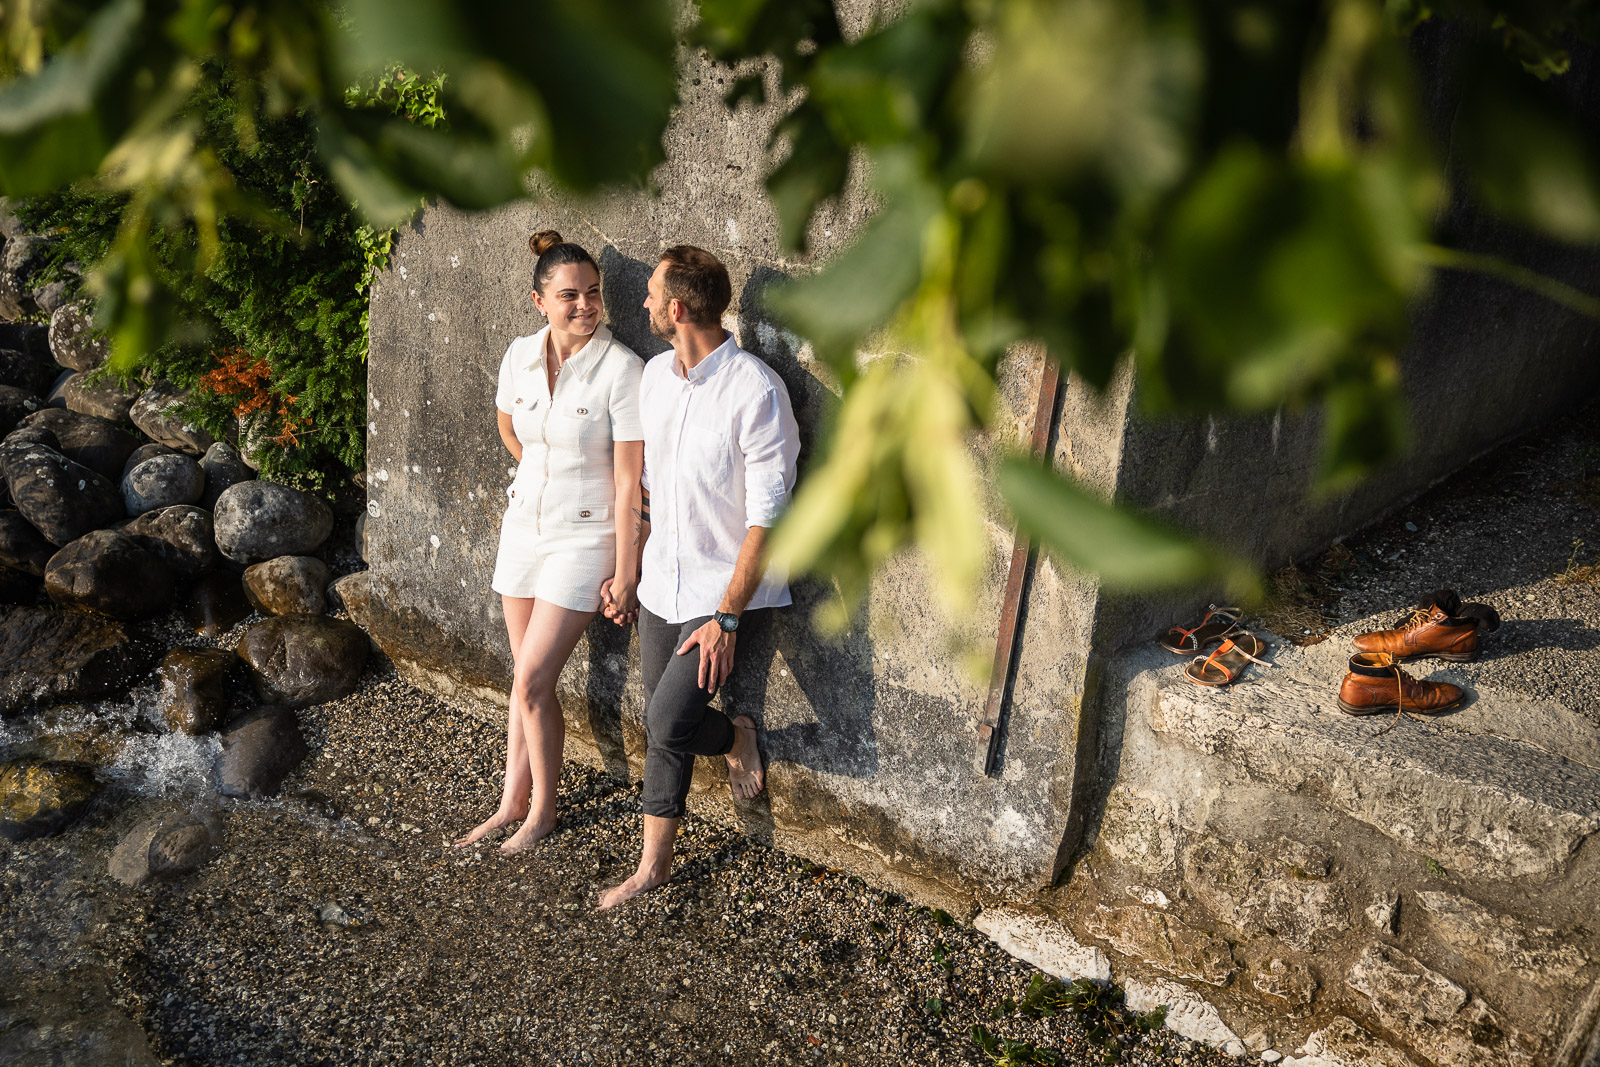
259, 520
146, 451
39, 797
26, 371
300, 660
288, 585
62, 499
166, 846
49, 656
105, 399
27, 337
21, 260
224, 468
158, 412
22, 547
109, 573
259, 749
194, 689
99, 444
215, 604
16, 405
73, 339
180, 536
162, 482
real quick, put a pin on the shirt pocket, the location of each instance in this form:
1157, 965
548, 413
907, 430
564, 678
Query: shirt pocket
525, 415
577, 422
587, 512
708, 460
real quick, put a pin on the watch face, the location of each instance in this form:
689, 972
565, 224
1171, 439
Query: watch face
728, 621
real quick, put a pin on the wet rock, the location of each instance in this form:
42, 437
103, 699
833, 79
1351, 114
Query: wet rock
1164, 941
17, 587
16, 405
68, 1018
22, 547
104, 399
288, 585
259, 749
260, 520
39, 797
180, 536
1436, 1016
216, 603
109, 573
73, 340
144, 452
162, 482
1499, 942
224, 468
194, 689
77, 733
299, 660
21, 260
49, 656
25, 371
166, 846
158, 413
97, 443
61, 498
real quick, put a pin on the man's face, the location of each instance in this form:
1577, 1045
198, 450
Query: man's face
661, 323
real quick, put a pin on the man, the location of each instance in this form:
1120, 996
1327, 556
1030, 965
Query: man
720, 443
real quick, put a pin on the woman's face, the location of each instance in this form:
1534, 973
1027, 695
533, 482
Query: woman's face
571, 299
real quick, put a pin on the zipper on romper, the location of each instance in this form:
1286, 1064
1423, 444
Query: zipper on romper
544, 426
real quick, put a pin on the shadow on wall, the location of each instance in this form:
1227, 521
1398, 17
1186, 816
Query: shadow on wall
623, 283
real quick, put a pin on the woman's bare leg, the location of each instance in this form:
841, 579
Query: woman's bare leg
552, 633
514, 796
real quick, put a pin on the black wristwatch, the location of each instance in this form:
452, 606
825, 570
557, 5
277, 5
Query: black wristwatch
727, 620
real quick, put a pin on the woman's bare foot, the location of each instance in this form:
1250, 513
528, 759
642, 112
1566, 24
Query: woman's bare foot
502, 818
744, 760
641, 882
529, 834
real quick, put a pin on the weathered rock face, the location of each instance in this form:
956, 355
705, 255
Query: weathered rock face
144, 452
73, 340
106, 572
16, 405
53, 296
223, 468
194, 688
61, 498
215, 603
22, 547
1499, 942
1285, 889
21, 259
23, 370
17, 587
162, 482
300, 660
1165, 941
97, 443
166, 846
156, 413
260, 520
39, 797
48, 657
104, 399
180, 536
259, 749
288, 585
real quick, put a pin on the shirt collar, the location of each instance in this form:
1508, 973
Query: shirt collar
580, 359
709, 366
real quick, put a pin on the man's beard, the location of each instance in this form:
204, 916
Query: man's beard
661, 326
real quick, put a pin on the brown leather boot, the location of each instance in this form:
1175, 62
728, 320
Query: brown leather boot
1376, 684
1431, 631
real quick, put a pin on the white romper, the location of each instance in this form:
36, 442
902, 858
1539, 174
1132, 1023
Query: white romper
558, 536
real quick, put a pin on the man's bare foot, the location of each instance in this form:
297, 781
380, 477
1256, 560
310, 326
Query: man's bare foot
744, 760
502, 818
641, 882
529, 834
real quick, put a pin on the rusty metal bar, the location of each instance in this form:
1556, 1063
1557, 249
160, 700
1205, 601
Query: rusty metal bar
1013, 610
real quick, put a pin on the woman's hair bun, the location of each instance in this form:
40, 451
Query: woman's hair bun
543, 241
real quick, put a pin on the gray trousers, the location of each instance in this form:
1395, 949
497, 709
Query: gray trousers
679, 722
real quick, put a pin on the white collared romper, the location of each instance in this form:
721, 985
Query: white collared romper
558, 536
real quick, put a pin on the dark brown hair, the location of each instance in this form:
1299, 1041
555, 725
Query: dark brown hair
698, 280
553, 252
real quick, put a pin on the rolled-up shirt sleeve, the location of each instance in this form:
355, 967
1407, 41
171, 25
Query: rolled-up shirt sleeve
770, 442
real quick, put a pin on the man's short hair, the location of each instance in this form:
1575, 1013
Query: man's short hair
698, 280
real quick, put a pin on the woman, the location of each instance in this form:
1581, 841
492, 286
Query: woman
569, 413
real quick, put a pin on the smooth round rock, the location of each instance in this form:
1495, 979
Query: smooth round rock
288, 585
224, 469
260, 520
259, 749
39, 797
61, 498
49, 656
180, 536
22, 547
16, 405
194, 689
162, 482
108, 573
158, 412
73, 339
97, 443
300, 660
104, 399
166, 846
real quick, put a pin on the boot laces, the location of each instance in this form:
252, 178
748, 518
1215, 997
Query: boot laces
1400, 680
1419, 617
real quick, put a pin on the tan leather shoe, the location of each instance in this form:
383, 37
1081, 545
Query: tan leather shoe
1376, 684
1440, 626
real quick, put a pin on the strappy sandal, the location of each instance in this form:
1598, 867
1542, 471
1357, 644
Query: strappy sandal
1228, 661
1217, 624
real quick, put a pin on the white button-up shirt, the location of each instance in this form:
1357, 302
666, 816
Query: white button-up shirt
719, 457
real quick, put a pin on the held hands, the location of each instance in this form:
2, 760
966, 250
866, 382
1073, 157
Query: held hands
619, 601
716, 654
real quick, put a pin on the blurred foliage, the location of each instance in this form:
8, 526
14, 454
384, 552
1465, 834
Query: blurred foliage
1242, 196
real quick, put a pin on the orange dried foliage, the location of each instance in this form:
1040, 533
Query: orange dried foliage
244, 381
